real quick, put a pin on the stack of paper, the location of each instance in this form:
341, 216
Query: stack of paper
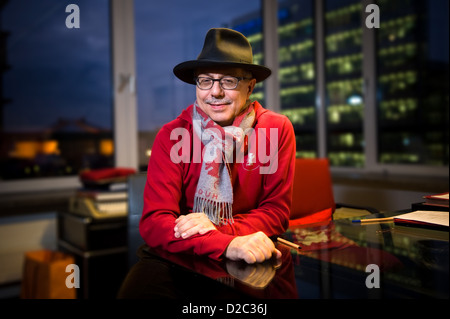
438, 219
437, 199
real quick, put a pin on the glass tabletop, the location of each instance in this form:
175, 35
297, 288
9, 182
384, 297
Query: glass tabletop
336, 260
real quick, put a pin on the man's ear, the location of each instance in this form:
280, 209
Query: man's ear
251, 86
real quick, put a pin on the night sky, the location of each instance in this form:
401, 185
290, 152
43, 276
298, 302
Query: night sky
55, 71
58, 72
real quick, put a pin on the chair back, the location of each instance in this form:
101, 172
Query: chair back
136, 184
312, 198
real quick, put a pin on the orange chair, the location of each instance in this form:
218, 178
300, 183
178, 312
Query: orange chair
313, 198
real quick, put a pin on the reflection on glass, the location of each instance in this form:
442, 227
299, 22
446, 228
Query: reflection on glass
56, 107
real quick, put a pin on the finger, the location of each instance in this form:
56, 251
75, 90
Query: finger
249, 257
187, 233
268, 252
189, 229
260, 250
203, 230
183, 220
270, 246
269, 243
259, 257
192, 227
256, 251
195, 227
177, 221
265, 253
181, 225
186, 223
277, 253
262, 246
180, 218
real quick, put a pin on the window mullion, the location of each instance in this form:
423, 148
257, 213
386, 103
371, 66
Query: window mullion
369, 96
124, 77
320, 79
270, 36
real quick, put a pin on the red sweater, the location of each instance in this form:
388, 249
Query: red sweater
261, 201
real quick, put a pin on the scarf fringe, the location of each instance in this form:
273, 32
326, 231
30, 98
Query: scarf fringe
219, 213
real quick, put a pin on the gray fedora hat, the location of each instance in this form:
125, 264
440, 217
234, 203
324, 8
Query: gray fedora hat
222, 47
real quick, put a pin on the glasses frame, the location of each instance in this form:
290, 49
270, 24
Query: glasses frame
238, 78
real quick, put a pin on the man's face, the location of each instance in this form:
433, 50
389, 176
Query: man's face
221, 105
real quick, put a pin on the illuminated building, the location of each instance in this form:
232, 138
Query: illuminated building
411, 91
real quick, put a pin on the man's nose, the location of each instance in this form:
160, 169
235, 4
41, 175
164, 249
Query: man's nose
216, 89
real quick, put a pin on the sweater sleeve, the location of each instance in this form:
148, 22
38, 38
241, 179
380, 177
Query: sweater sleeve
271, 213
162, 196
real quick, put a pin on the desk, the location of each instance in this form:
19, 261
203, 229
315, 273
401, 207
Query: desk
407, 262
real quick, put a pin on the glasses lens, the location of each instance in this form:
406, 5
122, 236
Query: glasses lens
229, 83
204, 83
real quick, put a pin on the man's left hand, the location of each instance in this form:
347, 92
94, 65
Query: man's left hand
192, 224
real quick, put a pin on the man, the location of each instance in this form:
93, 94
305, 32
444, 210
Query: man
219, 180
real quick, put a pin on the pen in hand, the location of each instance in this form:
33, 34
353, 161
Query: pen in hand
288, 243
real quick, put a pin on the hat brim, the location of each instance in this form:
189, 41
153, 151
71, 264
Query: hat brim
185, 71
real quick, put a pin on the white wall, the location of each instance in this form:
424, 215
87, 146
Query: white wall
19, 234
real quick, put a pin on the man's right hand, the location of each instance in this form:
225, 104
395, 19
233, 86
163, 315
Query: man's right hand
252, 248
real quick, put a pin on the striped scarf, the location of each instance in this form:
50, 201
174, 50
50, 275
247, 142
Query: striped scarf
214, 193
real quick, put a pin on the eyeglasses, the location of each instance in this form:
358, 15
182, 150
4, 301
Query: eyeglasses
226, 83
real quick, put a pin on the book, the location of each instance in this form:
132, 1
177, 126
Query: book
107, 178
427, 219
107, 185
425, 206
99, 203
87, 207
112, 207
437, 199
101, 195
